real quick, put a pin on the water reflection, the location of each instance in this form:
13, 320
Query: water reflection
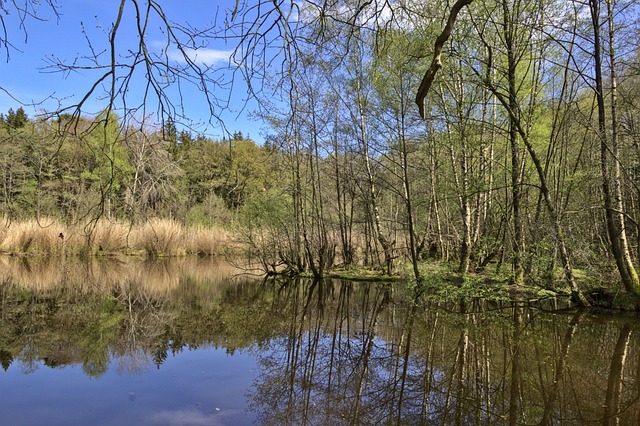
325, 352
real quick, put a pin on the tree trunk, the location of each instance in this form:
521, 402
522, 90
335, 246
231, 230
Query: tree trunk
516, 188
614, 210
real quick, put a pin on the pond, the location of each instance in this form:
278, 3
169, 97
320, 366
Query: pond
190, 342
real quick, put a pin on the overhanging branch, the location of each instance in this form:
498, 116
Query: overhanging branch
436, 62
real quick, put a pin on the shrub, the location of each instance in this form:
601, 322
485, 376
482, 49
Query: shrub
212, 211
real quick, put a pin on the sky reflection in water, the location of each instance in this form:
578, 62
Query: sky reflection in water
186, 343
199, 387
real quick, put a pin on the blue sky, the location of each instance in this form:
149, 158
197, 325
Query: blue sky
26, 77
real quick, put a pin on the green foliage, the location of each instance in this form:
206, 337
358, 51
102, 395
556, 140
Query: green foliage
267, 226
110, 162
76, 168
212, 211
229, 169
269, 209
348, 155
14, 120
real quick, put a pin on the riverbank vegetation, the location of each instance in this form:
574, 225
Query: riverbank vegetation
155, 237
526, 164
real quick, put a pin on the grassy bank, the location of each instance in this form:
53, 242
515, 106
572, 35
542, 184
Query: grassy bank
155, 237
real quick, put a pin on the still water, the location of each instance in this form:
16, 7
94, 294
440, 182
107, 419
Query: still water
190, 342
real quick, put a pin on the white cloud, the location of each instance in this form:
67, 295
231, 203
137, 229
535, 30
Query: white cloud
208, 57
193, 417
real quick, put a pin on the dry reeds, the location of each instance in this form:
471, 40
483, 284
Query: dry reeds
207, 241
160, 237
4, 229
107, 237
35, 236
156, 238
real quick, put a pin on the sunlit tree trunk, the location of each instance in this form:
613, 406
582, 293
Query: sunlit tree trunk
612, 193
434, 241
363, 137
459, 168
519, 128
343, 211
512, 135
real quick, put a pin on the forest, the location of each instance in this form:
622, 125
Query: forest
523, 159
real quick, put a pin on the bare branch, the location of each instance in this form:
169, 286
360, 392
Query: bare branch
23, 11
436, 63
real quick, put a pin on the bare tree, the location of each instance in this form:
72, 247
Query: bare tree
22, 12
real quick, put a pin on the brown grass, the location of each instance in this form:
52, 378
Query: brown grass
160, 237
207, 241
107, 236
156, 237
33, 236
4, 229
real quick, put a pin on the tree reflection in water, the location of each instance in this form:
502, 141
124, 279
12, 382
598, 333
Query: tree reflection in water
360, 354
329, 352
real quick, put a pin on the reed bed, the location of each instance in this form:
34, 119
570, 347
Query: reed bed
4, 229
160, 237
207, 241
107, 236
35, 236
155, 238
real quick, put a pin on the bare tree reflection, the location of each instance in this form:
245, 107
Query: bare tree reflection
332, 362
552, 393
330, 352
612, 409
515, 395
144, 325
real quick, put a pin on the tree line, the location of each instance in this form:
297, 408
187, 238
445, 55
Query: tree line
82, 169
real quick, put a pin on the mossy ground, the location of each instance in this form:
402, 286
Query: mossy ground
441, 283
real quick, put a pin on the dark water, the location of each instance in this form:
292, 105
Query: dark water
187, 343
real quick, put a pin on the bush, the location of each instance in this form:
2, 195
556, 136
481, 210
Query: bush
212, 211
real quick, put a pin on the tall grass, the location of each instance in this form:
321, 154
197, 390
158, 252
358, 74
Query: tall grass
156, 238
207, 241
106, 236
160, 237
35, 236
4, 229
